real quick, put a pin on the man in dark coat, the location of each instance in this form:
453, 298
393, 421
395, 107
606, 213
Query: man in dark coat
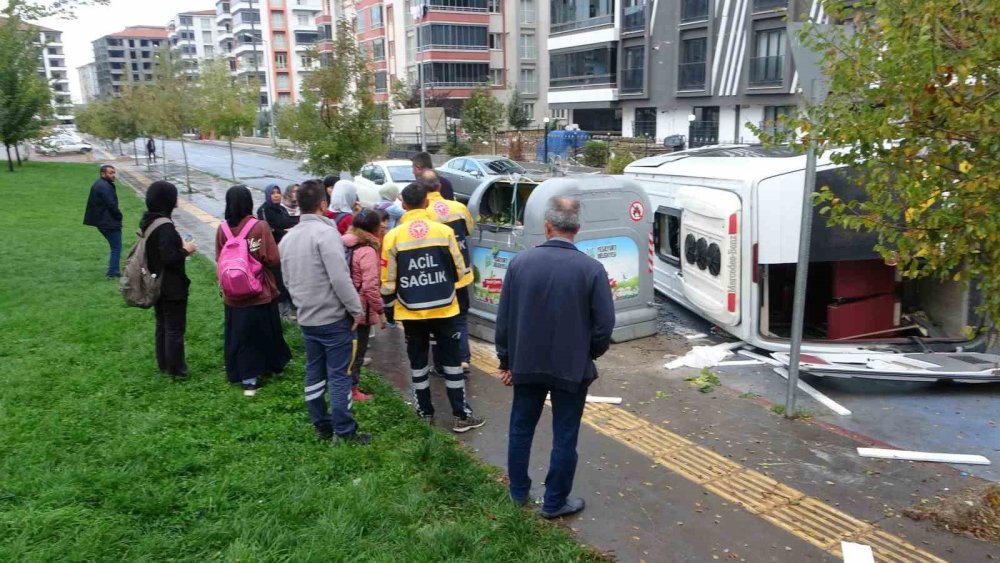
555, 318
422, 161
150, 150
102, 212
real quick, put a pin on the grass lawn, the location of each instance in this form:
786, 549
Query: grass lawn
103, 459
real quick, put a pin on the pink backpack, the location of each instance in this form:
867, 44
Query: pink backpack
240, 274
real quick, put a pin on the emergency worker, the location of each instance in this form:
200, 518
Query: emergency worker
457, 216
421, 266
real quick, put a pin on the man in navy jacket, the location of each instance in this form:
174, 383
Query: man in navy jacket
102, 212
555, 318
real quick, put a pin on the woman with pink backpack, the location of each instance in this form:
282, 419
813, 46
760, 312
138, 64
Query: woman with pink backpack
245, 252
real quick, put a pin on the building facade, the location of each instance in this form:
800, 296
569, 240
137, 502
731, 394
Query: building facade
52, 66
127, 58
697, 68
88, 82
193, 37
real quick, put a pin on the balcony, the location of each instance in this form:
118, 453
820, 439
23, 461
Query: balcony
583, 24
632, 80
691, 76
766, 71
769, 5
694, 10
458, 5
634, 19
304, 5
586, 80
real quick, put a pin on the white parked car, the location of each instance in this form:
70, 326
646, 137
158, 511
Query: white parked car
376, 174
62, 145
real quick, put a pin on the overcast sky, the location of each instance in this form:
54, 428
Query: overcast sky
92, 22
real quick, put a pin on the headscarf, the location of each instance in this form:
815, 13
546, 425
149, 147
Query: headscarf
239, 204
389, 192
344, 195
287, 200
268, 192
161, 199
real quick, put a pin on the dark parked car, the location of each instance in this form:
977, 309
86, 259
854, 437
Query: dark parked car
466, 173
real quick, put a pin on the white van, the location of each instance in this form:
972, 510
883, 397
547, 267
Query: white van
726, 235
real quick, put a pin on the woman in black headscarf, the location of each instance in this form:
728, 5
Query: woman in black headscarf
166, 255
278, 218
254, 343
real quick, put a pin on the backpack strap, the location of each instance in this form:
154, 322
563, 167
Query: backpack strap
158, 222
226, 231
247, 228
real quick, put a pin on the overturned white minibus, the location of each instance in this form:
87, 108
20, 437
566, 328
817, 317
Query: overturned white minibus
726, 225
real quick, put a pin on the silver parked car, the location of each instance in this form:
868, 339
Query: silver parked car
466, 173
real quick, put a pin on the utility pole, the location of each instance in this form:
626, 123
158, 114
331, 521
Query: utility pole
256, 72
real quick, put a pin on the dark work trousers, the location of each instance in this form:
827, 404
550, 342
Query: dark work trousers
462, 324
279, 280
418, 340
567, 409
114, 238
329, 350
171, 323
364, 332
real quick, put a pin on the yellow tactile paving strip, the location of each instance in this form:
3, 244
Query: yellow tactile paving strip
804, 517
791, 510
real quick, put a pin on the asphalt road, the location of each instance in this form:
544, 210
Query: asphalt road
252, 168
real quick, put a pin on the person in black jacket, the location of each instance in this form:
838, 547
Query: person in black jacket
422, 161
166, 255
277, 217
102, 212
555, 318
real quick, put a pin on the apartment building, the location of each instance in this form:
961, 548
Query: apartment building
52, 66
459, 44
698, 68
88, 82
127, 57
193, 37
272, 38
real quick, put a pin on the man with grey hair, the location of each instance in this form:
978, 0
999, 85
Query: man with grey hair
555, 318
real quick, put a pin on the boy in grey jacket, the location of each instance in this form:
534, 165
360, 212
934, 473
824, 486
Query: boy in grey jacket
319, 282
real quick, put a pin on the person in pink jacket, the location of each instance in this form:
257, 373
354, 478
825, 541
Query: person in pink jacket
362, 240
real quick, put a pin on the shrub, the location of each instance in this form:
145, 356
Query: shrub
460, 148
618, 162
595, 153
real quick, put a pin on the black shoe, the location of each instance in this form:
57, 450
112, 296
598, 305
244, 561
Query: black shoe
571, 506
468, 423
359, 438
250, 389
323, 433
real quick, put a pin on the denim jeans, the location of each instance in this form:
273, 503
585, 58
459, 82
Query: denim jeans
114, 237
329, 352
567, 410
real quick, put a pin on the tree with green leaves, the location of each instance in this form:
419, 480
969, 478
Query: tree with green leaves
225, 104
335, 124
482, 114
914, 108
517, 113
24, 95
38, 9
169, 107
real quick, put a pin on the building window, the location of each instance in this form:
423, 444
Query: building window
378, 49
584, 68
457, 5
376, 17
704, 130
362, 20
381, 81
527, 48
206, 37
284, 98
766, 5
280, 61
282, 81
645, 123
634, 71
209, 51
568, 15
493, 6
667, 234
496, 76
306, 38
303, 20
529, 12
448, 36
694, 10
769, 54
186, 21
456, 75
496, 41
529, 109
772, 124
248, 17
691, 70
307, 62
278, 39
528, 83
634, 15
207, 23
277, 19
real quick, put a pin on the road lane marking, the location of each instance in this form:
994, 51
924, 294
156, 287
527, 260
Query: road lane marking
805, 517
